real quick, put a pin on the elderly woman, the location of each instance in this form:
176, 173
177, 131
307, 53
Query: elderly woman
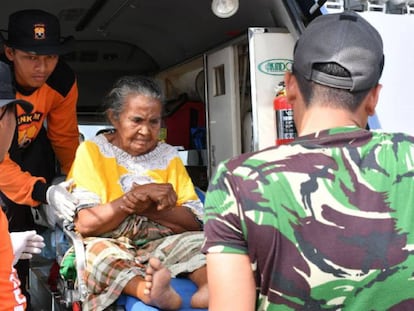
138, 212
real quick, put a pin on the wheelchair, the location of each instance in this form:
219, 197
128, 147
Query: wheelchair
72, 291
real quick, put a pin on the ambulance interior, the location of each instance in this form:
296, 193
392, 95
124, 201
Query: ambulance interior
219, 74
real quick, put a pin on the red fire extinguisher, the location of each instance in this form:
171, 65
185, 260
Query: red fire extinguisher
285, 126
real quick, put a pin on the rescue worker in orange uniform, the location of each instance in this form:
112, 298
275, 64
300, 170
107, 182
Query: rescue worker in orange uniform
18, 244
46, 139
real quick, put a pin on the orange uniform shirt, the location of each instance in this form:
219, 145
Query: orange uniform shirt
11, 298
54, 105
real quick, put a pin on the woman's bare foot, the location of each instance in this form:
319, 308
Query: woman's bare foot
200, 298
158, 290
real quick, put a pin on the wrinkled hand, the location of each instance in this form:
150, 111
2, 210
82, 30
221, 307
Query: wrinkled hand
25, 244
145, 198
59, 197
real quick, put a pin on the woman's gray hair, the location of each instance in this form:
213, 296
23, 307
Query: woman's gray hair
130, 85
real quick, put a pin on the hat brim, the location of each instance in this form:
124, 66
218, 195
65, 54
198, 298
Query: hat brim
66, 46
27, 107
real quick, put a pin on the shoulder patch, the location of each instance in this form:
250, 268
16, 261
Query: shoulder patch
62, 78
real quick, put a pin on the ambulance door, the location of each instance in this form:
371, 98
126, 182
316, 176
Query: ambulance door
223, 106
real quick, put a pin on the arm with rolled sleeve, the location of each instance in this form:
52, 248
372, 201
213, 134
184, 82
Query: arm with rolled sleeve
228, 263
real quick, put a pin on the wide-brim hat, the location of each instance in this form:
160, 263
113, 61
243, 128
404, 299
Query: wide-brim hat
37, 32
7, 92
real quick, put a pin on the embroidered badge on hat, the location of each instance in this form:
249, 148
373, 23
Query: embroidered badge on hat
39, 32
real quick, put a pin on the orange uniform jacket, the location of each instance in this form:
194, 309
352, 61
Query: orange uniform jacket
55, 105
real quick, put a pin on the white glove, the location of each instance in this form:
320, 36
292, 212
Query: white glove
64, 203
25, 244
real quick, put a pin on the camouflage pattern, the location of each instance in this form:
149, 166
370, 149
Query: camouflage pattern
327, 221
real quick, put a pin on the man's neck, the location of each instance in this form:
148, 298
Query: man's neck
319, 119
25, 90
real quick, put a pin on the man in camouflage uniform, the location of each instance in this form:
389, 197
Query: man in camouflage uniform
326, 222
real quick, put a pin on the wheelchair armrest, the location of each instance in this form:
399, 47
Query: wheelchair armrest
77, 242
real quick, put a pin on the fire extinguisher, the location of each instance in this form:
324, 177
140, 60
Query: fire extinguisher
285, 126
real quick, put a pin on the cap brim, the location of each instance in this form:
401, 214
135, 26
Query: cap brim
27, 107
66, 46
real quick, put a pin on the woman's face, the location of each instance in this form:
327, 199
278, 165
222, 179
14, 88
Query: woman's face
138, 126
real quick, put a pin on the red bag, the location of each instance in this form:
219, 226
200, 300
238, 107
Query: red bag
183, 121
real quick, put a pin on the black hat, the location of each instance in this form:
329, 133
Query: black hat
37, 32
7, 93
346, 39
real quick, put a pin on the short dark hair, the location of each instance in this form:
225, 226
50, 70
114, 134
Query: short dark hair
335, 97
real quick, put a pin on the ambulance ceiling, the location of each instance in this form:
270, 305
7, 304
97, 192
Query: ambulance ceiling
147, 36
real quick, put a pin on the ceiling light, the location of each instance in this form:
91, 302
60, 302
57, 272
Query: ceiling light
224, 8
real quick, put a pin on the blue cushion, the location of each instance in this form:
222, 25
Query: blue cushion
201, 194
184, 287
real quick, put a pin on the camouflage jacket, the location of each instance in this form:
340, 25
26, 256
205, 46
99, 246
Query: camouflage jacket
328, 220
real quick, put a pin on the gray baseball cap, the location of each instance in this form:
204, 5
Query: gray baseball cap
346, 39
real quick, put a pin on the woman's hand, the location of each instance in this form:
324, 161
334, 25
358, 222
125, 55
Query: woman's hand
158, 203
149, 198
153, 201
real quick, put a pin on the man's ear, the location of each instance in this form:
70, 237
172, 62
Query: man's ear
290, 86
9, 52
372, 99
